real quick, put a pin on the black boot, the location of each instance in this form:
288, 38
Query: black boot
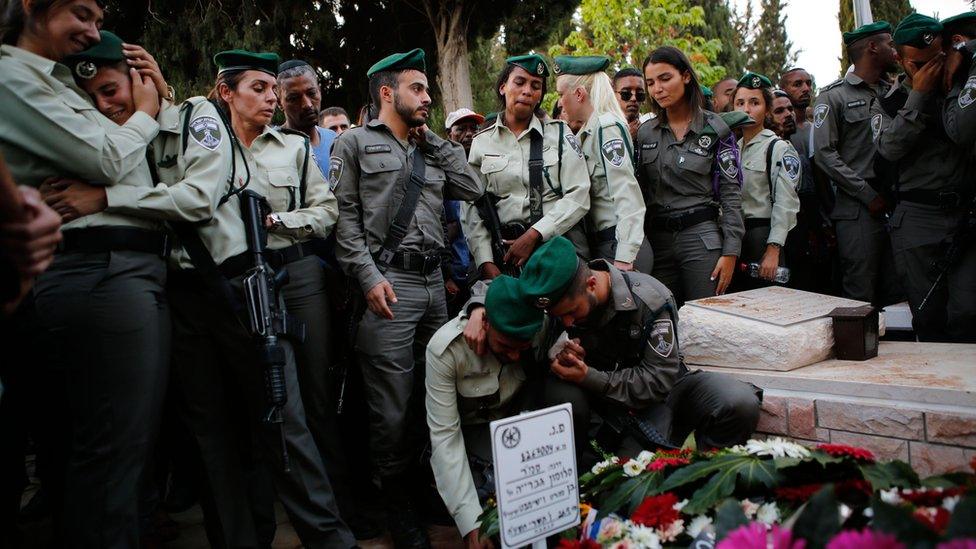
402, 517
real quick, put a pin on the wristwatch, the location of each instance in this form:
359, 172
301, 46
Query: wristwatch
275, 220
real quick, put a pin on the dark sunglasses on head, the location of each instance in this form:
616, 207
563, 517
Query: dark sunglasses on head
626, 94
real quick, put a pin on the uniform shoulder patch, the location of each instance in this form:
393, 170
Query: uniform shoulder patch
335, 171
727, 162
967, 96
661, 338
876, 125
613, 151
820, 114
574, 143
792, 165
205, 130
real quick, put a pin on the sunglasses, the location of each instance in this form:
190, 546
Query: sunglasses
626, 95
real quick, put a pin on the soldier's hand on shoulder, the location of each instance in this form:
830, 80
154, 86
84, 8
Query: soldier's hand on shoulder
476, 332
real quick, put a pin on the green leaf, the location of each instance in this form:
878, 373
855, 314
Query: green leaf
823, 458
900, 522
891, 473
643, 489
947, 480
489, 522
695, 471
820, 521
616, 499
690, 443
785, 462
717, 488
962, 524
728, 517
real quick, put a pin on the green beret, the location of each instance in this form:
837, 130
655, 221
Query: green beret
507, 311
532, 62
243, 60
706, 91
754, 81
108, 51
413, 59
580, 65
878, 27
736, 119
549, 272
917, 30
962, 18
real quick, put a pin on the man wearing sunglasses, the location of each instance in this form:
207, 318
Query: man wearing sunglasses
628, 83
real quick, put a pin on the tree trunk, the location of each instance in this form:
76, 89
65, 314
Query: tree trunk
450, 23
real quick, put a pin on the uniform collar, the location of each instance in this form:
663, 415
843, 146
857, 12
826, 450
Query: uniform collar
764, 135
534, 124
696, 125
274, 132
901, 83
592, 125
620, 296
853, 79
41, 64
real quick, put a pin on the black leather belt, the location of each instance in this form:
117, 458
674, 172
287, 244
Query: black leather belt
416, 262
115, 239
754, 222
284, 256
946, 200
678, 223
605, 235
236, 265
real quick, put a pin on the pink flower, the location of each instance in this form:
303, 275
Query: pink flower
958, 544
754, 536
852, 539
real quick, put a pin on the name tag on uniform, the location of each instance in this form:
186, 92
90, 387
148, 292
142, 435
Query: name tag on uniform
699, 151
371, 149
858, 103
649, 146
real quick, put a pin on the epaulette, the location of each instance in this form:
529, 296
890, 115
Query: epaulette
832, 85
289, 131
486, 128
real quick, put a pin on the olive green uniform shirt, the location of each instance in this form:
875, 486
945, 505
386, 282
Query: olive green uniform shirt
463, 388
502, 160
49, 128
786, 175
276, 160
367, 171
842, 143
191, 182
615, 197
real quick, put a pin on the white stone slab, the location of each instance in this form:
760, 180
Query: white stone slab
766, 329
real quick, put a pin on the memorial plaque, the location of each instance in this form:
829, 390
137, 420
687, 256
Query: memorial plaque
776, 305
536, 481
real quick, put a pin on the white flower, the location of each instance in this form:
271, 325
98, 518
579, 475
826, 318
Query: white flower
749, 508
644, 537
645, 457
672, 531
698, 525
891, 496
633, 468
738, 449
610, 530
845, 512
768, 514
868, 512
777, 448
680, 505
602, 466
949, 503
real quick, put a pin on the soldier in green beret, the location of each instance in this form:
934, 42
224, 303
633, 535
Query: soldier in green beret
844, 150
688, 168
533, 168
623, 358
934, 187
771, 172
615, 222
392, 176
467, 390
99, 319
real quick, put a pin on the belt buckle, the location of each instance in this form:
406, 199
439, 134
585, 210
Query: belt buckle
949, 200
431, 263
386, 256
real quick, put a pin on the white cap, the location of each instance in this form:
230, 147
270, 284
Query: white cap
461, 114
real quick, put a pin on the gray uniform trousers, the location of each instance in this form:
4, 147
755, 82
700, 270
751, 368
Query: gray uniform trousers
105, 331
222, 385
917, 235
684, 260
644, 261
864, 249
391, 354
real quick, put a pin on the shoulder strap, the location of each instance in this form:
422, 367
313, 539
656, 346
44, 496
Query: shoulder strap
769, 171
722, 130
535, 176
401, 221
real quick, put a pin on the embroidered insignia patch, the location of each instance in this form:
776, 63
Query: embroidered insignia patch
876, 125
820, 114
727, 163
205, 130
756, 82
575, 144
928, 38
968, 94
792, 165
335, 171
613, 151
661, 338
540, 68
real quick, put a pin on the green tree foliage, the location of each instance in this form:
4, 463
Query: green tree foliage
721, 23
628, 30
891, 11
770, 50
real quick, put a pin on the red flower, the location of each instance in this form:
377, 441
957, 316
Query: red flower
577, 544
852, 489
929, 497
936, 518
843, 450
797, 494
657, 511
680, 452
660, 463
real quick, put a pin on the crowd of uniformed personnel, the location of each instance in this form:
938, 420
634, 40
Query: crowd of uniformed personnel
260, 312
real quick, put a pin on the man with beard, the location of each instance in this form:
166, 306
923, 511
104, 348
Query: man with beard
466, 391
722, 94
798, 84
461, 126
783, 114
301, 99
391, 176
845, 151
628, 83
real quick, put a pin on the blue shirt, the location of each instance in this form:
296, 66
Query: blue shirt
460, 256
323, 150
